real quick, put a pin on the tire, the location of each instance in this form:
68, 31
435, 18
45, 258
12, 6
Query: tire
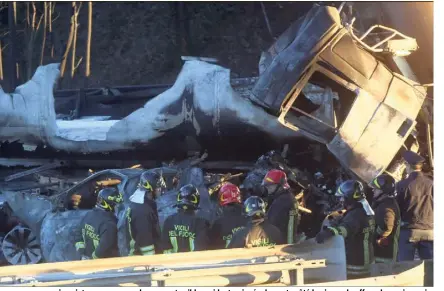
21, 247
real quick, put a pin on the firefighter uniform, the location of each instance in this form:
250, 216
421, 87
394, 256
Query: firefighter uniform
185, 232
143, 227
257, 233
225, 226
357, 228
284, 214
99, 233
388, 226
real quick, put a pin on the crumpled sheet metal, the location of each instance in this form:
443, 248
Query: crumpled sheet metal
201, 97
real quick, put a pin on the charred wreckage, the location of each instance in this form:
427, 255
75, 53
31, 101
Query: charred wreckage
326, 106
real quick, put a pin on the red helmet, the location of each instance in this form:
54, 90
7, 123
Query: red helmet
229, 193
276, 177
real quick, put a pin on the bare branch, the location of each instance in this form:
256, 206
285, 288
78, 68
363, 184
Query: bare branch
17, 70
1, 61
57, 17
74, 41
68, 47
34, 14
40, 22
45, 16
78, 8
13, 51
5, 47
78, 63
15, 12
51, 10
88, 42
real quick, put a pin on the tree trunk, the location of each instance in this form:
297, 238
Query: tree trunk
74, 40
1, 61
88, 42
12, 37
68, 46
45, 23
51, 10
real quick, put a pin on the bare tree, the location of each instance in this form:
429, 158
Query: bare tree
30, 35
45, 24
51, 11
14, 4
75, 65
12, 60
88, 42
68, 45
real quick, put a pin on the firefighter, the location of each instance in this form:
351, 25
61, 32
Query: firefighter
357, 226
258, 232
184, 231
415, 199
232, 218
99, 227
387, 218
283, 211
142, 217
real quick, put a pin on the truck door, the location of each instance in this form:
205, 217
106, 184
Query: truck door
374, 132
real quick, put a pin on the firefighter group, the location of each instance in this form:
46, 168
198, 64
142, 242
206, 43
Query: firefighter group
397, 224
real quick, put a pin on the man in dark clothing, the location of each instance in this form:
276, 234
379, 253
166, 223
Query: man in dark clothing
283, 211
357, 226
99, 227
258, 232
387, 217
142, 217
184, 231
415, 199
232, 218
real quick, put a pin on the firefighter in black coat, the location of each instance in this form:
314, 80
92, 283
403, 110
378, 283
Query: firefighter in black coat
415, 199
283, 211
99, 227
258, 232
232, 218
357, 226
387, 218
142, 217
184, 231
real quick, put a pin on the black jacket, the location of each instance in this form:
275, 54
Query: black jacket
226, 225
358, 230
99, 232
144, 229
185, 232
257, 233
284, 214
415, 199
388, 225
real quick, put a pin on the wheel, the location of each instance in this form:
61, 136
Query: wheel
20, 247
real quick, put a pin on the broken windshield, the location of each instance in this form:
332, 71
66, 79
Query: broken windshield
322, 106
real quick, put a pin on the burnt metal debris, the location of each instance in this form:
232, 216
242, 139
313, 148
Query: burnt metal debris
55, 219
339, 109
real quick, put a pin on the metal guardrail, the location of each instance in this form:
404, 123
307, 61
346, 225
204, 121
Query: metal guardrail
158, 275
296, 268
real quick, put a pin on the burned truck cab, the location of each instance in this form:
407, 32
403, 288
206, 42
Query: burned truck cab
317, 79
